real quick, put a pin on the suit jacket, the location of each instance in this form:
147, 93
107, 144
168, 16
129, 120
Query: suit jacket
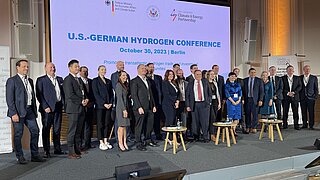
190, 98
156, 85
258, 90
170, 95
17, 97
89, 94
190, 78
278, 87
221, 87
73, 94
185, 86
141, 95
296, 87
102, 92
310, 91
46, 93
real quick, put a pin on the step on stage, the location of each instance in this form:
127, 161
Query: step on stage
201, 160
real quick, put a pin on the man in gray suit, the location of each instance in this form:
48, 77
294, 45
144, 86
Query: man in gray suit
22, 110
198, 99
75, 102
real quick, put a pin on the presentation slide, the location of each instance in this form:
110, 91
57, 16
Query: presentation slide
165, 32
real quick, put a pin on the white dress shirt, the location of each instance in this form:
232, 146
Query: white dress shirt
144, 81
195, 89
56, 86
290, 81
28, 88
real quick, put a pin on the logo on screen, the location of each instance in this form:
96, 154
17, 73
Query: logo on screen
173, 15
107, 2
153, 13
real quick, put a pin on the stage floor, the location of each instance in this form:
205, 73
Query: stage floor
199, 157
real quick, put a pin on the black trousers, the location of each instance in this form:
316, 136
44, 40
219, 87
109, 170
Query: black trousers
74, 131
213, 116
54, 119
30, 121
144, 124
156, 124
87, 127
182, 113
307, 106
103, 121
278, 104
251, 114
294, 107
200, 119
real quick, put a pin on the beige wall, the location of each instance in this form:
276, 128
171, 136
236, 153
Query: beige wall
5, 32
312, 34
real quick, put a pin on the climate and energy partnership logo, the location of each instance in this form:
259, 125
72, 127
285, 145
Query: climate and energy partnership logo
173, 15
153, 13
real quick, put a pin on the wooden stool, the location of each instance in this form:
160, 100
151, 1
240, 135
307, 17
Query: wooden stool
226, 127
270, 124
174, 132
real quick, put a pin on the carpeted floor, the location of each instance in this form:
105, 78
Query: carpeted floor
199, 157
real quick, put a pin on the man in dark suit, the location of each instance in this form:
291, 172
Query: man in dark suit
22, 110
114, 81
198, 99
193, 67
182, 111
51, 98
156, 86
143, 108
253, 97
220, 81
89, 109
277, 85
308, 96
75, 102
291, 89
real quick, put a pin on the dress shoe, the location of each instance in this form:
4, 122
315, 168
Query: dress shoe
304, 127
37, 159
141, 147
47, 155
122, 150
206, 141
74, 156
153, 144
59, 152
297, 128
21, 160
311, 128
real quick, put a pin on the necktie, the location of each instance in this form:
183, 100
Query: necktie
251, 87
273, 83
199, 92
26, 82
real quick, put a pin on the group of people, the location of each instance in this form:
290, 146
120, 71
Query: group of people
136, 106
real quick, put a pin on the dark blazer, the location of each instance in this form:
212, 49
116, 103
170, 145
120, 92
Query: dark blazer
296, 87
310, 91
170, 95
102, 92
190, 78
156, 85
278, 87
73, 94
141, 95
221, 87
46, 93
16, 97
258, 90
190, 98
89, 95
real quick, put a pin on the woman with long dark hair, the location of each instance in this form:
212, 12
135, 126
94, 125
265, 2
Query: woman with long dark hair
122, 110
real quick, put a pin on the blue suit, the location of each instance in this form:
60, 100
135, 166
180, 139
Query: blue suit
46, 95
251, 103
17, 97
